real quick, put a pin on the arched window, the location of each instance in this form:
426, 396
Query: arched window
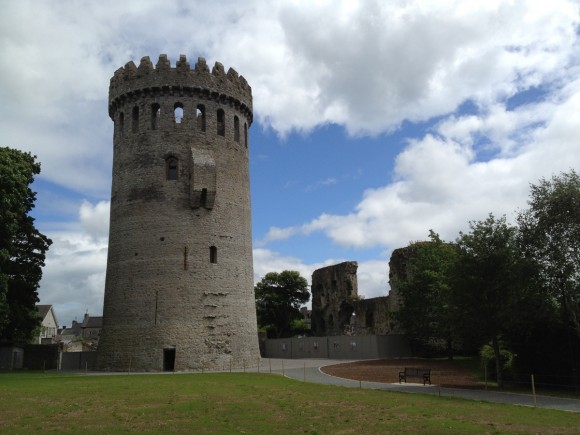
155, 115
135, 123
221, 123
200, 115
171, 168
213, 255
236, 129
178, 112
246, 135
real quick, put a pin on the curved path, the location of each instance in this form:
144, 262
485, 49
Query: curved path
309, 370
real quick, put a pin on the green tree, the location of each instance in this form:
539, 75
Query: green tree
550, 238
489, 283
22, 246
426, 313
278, 300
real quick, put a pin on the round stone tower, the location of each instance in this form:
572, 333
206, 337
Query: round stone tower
179, 291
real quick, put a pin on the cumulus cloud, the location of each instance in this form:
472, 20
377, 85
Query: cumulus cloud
74, 276
441, 182
364, 65
371, 65
95, 219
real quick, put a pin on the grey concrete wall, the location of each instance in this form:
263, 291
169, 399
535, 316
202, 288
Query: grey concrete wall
339, 347
78, 361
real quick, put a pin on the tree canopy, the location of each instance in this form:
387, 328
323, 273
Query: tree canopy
22, 246
489, 281
514, 289
278, 300
425, 290
550, 238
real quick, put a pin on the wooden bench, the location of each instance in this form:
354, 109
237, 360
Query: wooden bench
415, 372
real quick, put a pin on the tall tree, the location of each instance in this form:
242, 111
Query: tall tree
426, 313
489, 282
278, 300
22, 246
550, 238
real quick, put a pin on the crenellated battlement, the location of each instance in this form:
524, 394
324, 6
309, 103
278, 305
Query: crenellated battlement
147, 79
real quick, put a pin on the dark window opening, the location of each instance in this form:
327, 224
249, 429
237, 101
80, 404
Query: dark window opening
178, 112
168, 360
135, 125
221, 123
172, 168
155, 115
203, 198
213, 255
246, 135
236, 129
200, 115
369, 319
121, 123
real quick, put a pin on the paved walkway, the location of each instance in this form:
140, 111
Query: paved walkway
309, 371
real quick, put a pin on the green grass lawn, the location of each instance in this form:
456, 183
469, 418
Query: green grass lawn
246, 403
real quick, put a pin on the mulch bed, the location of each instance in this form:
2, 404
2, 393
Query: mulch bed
443, 372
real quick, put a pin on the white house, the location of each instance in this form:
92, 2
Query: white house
49, 325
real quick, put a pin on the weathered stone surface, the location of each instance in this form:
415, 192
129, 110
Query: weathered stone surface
337, 308
334, 290
179, 289
398, 270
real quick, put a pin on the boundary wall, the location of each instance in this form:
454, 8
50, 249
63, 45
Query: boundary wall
339, 347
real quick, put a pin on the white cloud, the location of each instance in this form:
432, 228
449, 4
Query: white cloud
370, 65
373, 278
95, 219
74, 276
365, 65
441, 184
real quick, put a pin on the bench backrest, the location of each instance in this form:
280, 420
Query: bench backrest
416, 371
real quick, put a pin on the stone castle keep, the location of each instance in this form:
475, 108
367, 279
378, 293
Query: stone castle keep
179, 291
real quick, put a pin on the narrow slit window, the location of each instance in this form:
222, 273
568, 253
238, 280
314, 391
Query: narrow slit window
200, 115
236, 129
213, 255
135, 125
221, 123
203, 198
155, 115
178, 112
172, 167
246, 135
121, 123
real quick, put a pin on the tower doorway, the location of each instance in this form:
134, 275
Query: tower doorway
168, 360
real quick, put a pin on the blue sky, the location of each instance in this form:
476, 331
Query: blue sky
373, 121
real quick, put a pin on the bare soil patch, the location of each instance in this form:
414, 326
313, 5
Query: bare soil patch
443, 372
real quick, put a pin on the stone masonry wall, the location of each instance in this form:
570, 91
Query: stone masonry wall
337, 308
179, 288
334, 289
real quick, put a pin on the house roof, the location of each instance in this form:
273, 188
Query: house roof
93, 322
43, 310
74, 331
